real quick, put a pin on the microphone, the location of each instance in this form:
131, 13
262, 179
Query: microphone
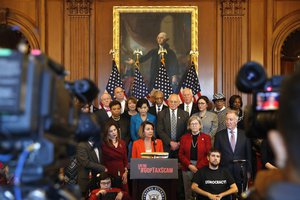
154, 142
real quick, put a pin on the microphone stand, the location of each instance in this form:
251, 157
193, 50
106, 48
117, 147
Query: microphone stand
154, 143
241, 163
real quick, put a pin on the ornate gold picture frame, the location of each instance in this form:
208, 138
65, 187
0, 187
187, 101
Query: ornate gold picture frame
137, 27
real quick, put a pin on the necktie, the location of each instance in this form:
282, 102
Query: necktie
187, 109
173, 126
158, 109
232, 140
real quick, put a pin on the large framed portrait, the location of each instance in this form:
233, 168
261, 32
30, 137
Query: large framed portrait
139, 27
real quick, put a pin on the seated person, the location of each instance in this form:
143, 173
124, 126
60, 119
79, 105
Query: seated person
106, 192
213, 182
147, 143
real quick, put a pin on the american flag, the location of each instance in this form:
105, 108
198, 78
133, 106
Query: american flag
114, 80
140, 89
162, 81
191, 81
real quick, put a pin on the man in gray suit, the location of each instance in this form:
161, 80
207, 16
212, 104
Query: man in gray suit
235, 148
171, 125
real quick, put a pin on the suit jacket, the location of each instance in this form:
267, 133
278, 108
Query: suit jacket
87, 162
164, 126
102, 117
152, 110
242, 151
124, 126
203, 146
139, 147
209, 123
194, 110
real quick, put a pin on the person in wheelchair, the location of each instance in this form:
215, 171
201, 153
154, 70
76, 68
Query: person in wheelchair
105, 191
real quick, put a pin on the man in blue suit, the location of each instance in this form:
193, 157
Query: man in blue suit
235, 148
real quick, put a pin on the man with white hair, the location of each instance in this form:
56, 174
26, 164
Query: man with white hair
104, 113
235, 148
188, 104
119, 95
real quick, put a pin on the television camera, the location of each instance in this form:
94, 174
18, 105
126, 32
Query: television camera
39, 119
262, 115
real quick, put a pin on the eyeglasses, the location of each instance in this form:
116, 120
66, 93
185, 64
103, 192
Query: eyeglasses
194, 124
105, 183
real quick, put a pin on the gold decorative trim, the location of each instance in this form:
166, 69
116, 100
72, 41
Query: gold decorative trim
233, 7
117, 10
79, 7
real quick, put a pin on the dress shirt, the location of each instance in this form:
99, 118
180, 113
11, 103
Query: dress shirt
234, 133
190, 107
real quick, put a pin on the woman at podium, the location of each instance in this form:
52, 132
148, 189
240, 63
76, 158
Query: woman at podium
147, 142
193, 150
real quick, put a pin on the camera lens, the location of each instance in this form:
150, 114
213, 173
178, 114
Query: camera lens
251, 76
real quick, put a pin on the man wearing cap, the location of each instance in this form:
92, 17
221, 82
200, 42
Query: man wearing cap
220, 109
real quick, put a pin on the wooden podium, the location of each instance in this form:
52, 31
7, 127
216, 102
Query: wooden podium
154, 178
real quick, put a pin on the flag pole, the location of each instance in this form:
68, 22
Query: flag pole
162, 52
194, 54
112, 52
137, 53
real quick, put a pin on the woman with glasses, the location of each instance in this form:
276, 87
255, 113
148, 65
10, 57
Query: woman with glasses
193, 150
209, 119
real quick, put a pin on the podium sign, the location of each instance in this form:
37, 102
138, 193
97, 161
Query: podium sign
153, 168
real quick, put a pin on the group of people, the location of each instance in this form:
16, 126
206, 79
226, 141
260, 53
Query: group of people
187, 131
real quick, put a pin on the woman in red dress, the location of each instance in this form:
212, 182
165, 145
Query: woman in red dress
114, 155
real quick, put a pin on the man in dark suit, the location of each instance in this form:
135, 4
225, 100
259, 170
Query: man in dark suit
235, 148
188, 104
158, 104
169, 134
89, 164
104, 113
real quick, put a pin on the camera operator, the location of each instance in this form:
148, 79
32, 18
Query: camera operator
284, 183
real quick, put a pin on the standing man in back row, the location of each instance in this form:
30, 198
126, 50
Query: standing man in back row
220, 109
171, 125
188, 104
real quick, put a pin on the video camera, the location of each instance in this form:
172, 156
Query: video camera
38, 112
262, 116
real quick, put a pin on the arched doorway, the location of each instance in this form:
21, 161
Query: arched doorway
286, 31
11, 36
290, 53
